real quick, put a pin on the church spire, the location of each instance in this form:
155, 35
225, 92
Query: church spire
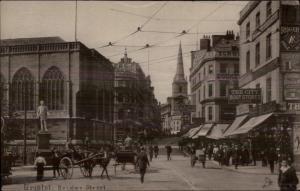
179, 76
179, 86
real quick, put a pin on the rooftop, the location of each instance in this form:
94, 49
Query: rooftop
27, 41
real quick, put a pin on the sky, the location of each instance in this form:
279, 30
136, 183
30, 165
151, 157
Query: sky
101, 22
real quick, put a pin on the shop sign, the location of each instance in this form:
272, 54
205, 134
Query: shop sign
244, 96
292, 106
222, 76
290, 38
292, 86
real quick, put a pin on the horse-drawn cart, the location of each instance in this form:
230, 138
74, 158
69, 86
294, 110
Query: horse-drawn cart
124, 157
86, 162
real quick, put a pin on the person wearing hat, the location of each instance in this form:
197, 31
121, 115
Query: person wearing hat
287, 179
39, 162
143, 162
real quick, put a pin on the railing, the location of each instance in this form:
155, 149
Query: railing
34, 48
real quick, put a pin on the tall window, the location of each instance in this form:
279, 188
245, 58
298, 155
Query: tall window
210, 90
204, 72
236, 68
257, 54
210, 113
203, 91
269, 9
257, 20
210, 69
23, 89
268, 47
223, 88
247, 29
223, 68
269, 89
248, 61
53, 89
199, 76
199, 95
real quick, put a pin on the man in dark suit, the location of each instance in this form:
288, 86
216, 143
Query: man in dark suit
287, 179
143, 162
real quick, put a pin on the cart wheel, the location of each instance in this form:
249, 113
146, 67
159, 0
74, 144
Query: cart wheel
66, 168
86, 169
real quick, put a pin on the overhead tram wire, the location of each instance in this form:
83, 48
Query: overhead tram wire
137, 30
184, 32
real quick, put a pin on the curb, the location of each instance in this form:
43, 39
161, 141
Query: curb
245, 172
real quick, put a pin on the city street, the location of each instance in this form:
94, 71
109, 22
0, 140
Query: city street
176, 174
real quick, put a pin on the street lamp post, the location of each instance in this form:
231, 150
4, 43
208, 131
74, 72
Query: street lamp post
25, 124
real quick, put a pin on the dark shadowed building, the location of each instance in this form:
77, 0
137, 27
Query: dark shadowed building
75, 82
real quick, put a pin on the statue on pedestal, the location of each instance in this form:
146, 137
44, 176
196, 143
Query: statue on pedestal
42, 112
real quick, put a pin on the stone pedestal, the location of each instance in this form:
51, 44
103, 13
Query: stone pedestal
43, 140
43, 146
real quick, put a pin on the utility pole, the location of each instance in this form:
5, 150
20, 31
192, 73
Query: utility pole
25, 123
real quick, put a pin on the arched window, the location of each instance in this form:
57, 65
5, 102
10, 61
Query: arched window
53, 89
23, 90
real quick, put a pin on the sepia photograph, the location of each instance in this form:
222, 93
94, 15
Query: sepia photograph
150, 95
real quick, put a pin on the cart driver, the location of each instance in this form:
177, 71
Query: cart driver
128, 142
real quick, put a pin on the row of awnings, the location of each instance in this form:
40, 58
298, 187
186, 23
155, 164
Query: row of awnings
241, 125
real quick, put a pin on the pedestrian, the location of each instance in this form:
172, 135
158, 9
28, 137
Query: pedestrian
287, 179
236, 157
201, 154
271, 159
40, 163
156, 150
143, 162
169, 151
55, 163
150, 150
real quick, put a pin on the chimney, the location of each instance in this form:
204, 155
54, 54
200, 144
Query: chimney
216, 39
229, 35
205, 43
237, 36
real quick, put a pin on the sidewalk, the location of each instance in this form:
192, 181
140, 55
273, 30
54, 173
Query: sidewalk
251, 169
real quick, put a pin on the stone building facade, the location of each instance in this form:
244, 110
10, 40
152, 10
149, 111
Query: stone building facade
214, 70
136, 108
75, 82
269, 60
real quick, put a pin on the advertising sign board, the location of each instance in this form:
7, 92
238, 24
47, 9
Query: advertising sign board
244, 96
